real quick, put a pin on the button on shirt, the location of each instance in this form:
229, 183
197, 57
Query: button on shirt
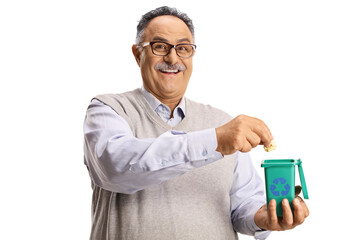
104, 129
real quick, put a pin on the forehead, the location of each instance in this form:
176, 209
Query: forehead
168, 28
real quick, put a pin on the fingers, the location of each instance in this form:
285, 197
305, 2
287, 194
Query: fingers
272, 216
242, 133
299, 212
287, 220
253, 139
304, 206
262, 130
302, 202
269, 133
245, 147
257, 133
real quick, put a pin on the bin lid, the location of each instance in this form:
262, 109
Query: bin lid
302, 179
278, 162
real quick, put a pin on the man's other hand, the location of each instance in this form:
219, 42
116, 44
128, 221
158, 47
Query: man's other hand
242, 134
268, 220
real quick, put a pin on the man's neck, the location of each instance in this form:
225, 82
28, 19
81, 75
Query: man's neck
172, 102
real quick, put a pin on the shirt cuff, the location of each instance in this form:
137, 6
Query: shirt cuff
202, 145
260, 234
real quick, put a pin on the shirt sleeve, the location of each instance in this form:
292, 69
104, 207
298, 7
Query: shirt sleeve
119, 162
247, 197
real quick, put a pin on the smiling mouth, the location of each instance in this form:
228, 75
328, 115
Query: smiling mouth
168, 71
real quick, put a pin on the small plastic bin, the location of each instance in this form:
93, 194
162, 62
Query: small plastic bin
280, 181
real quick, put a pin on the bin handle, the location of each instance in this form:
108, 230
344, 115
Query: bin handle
302, 179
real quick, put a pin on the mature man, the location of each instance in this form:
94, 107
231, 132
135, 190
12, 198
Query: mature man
165, 167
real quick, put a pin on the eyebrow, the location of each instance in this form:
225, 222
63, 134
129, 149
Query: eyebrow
157, 38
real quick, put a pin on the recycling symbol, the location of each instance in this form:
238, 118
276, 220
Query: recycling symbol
276, 187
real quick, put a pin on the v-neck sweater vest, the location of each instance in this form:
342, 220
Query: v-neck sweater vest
193, 206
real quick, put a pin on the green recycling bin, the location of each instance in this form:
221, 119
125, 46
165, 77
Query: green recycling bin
280, 181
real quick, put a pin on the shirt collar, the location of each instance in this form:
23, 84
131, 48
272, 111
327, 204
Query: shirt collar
155, 103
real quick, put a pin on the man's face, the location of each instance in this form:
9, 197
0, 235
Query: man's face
164, 85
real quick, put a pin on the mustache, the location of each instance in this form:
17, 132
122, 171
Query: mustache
165, 66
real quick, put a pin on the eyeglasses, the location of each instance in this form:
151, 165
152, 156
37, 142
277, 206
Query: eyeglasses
159, 48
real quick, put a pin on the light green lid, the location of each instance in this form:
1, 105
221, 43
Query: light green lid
302, 179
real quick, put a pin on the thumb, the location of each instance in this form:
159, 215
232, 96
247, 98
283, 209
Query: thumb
297, 190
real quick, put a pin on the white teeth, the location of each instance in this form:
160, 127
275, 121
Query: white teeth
169, 71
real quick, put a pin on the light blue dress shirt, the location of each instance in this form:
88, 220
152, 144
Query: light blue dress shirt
106, 131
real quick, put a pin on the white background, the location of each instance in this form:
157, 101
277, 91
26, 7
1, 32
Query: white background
293, 64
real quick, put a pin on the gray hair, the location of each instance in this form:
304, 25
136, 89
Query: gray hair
161, 11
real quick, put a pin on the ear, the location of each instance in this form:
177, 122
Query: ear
136, 53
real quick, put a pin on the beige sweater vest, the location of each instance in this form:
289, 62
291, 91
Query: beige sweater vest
193, 206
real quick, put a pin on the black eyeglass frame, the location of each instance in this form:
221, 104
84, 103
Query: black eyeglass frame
171, 46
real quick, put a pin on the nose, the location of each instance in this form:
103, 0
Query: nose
172, 57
